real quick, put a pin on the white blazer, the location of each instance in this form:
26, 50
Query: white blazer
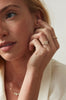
53, 84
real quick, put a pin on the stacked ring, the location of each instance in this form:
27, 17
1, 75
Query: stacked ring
54, 37
46, 43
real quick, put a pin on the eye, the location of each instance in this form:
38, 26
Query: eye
10, 15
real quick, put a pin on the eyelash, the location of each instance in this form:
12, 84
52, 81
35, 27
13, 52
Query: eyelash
10, 15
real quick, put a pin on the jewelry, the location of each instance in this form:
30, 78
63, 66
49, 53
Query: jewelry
46, 43
54, 37
15, 93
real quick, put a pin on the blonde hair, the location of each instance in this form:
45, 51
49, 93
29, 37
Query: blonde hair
36, 5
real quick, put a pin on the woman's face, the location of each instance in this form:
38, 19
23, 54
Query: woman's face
16, 27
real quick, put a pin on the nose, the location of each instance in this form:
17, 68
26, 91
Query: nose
3, 32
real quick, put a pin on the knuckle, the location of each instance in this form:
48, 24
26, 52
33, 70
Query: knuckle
45, 29
44, 51
51, 29
34, 40
58, 46
41, 52
41, 34
48, 50
55, 49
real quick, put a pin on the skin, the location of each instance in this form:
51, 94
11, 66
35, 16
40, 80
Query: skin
27, 61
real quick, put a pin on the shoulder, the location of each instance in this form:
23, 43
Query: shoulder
2, 88
56, 63
58, 81
58, 70
53, 84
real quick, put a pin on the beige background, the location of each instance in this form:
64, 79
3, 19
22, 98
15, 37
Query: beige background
57, 11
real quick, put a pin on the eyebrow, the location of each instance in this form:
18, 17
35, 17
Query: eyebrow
5, 8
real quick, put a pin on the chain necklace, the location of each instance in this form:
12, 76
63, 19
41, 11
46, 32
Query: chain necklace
15, 93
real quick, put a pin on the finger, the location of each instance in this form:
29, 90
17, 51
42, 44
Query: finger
43, 24
35, 44
43, 39
54, 37
39, 49
46, 25
49, 37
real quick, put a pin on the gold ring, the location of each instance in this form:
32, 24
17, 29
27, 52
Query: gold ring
46, 43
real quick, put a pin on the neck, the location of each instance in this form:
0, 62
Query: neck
15, 72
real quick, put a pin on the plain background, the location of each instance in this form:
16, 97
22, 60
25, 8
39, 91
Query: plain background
57, 12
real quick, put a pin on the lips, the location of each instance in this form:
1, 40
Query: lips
5, 44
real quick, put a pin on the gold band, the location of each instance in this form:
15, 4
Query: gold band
54, 37
46, 43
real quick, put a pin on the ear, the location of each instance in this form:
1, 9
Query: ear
36, 16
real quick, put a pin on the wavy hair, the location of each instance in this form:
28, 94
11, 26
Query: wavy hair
36, 5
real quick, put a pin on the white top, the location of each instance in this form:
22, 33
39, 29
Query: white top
53, 84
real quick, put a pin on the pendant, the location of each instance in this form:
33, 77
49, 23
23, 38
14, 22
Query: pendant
17, 94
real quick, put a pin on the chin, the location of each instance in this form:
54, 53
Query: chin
13, 57
8, 57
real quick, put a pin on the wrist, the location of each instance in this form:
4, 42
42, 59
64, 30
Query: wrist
35, 72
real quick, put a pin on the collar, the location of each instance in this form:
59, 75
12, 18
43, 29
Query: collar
45, 83
2, 85
44, 88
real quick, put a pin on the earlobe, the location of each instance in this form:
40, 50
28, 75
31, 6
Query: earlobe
36, 25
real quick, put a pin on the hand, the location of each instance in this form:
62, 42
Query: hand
43, 52
45, 43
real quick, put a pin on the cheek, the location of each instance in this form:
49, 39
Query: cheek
22, 28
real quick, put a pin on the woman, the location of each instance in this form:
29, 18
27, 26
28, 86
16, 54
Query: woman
27, 44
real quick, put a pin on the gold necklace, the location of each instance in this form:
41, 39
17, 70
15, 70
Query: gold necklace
15, 93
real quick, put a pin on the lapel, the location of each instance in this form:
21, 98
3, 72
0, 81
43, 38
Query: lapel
2, 87
45, 83
44, 88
